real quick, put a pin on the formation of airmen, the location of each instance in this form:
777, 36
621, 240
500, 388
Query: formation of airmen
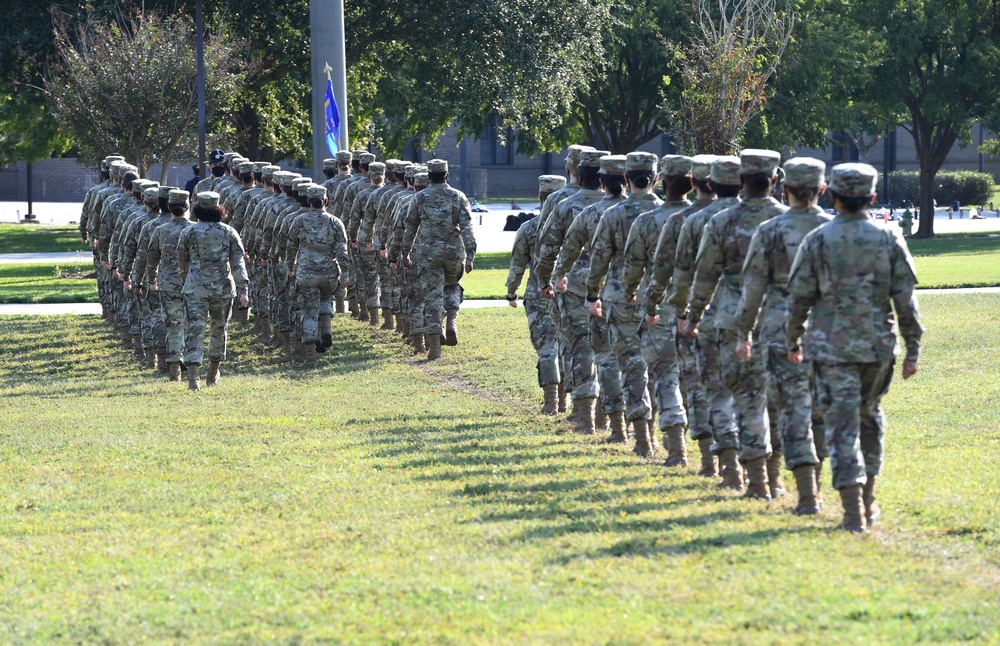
760, 328
391, 237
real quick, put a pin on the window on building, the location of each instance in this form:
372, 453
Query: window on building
667, 146
492, 152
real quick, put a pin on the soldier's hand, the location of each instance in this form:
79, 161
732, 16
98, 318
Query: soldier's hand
909, 368
468, 266
244, 301
138, 292
513, 303
93, 244
743, 349
384, 253
128, 285
652, 320
106, 265
84, 237
370, 247
345, 281
393, 266
795, 356
291, 273
562, 284
153, 287
548, 292
691, 329
407, 262
630, 299
354, 244
595, 309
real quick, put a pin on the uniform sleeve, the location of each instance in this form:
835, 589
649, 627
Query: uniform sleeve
292, 246
551, 239
756, 271
183, 253
600, 258
683, 274
708, 270
904, 282
355, 213
129, 248
662, 265
412, 224
368, 217
803, 288
153, 257
468, 235
548, 207
637, 255
577, 237
139, 268
340, 250
236, 264
519, 259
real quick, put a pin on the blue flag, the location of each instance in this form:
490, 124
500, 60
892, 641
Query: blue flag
332, 119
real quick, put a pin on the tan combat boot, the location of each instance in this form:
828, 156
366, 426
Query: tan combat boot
161, 362
404, 326
651, 431
386, 319
676, 447
643, 446
150, 357
550, 391
137, 350
774, 481
399, 323
175, 371
851, 498
126, 338
308, 354
373, 316
819, 483
600, 420
286, 343
433, 347
194, 382
213, 373
417, 341
872, 513
709, 463
618, 435
757, 479
563, 402
732, 475
805, 481
325, 331
583, 410
339, 300
352, 307
451, 327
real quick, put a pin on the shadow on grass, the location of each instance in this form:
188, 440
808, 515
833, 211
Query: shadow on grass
961, 243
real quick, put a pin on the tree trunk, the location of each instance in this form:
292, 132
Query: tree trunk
933, 142
163, 170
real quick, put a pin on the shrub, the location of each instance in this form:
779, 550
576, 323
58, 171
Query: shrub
968, 187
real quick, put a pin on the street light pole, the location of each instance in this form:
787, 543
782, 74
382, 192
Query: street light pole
199, 21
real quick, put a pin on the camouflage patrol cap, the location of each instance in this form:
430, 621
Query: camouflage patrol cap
853, 180
258, 166
550, 183
115, 167
208, 199
726, 170
641, 161
613, 164
165, 190
270, 170
421, 180
314, 191
329, 163
402, 165
701, 166
376, 168
410, 171
140, 185
806, 172
675, 165
246, 167
151, 194
437, 166
299, 182
390, 164
228, 157
573, 153
592, 158
344, 157
366, 158
356, 154
106, 162
755, 160
177, 196
286, 179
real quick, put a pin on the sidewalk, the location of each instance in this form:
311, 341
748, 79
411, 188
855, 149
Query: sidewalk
67, 257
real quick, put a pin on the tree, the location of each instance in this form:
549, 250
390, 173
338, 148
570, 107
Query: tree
733, 49
944, 69
130, 84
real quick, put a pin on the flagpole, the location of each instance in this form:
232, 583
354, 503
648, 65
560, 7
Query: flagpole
328, 48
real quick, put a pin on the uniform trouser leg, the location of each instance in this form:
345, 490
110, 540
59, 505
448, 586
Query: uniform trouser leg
565, 329
310, 298
850, 400
370, 275
609, 374
252, 286
294, 311
123, 305
623, 322
432, 286
219, 311
576, 316
453, 292
659, 349
276, 285
385, 283
415, 300
134, 315
695, 399
722, 417
175, 320
789, 389
196, 312
543, 338
279, 276
745, 380
159, 322
356, 289
395, 280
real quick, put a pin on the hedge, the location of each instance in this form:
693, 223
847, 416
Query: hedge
968, 187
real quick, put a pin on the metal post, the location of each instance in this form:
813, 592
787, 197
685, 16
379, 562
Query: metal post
463, 175
30, 215
199, 21
328, 50
982, 161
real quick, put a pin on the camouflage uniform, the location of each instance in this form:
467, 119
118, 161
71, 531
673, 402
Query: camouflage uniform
765, 272
317, 254
846, 278
367, 258
606, 283
155, 319
443, 218
719, 280
538, 309
210, 256
163, 269
412, 299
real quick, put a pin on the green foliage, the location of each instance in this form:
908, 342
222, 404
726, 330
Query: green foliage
968, 187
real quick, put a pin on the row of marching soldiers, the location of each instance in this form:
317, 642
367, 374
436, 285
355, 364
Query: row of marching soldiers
161, 286
761, 329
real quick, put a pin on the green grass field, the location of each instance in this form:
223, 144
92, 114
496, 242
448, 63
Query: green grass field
374, 499
48, 283
22, 238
